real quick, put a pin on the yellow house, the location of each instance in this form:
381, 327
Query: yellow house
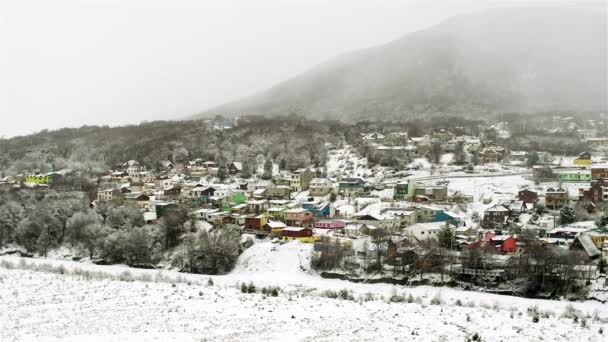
583, 159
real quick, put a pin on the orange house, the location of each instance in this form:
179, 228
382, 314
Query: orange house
298, 217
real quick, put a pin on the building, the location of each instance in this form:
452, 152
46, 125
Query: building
401, 191
350, 187
298, 233
105, 195
503, 243
528, 196
323, 209
300, 179
255, 222
436, 193
424, 231
583, 159
298, 217
584, 243
578, 176
274, 227
496, 216
599, 171
330, 224
320, 186
235, 168
384, 221
555, 199
407, 217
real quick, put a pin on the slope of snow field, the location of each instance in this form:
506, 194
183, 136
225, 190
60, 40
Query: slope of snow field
39, 306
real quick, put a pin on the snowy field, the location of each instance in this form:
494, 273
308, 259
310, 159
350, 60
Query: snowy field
93, 305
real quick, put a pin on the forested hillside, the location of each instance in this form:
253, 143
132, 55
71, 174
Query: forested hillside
525, 60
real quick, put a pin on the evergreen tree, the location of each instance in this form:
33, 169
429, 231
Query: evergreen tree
446, 236
222, 172
532, 159
246, 170
267, 170
566, 215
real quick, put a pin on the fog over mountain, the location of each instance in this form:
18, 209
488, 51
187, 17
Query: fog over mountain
499, 60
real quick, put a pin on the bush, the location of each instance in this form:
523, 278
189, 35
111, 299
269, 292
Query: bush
436, 300
458, 302
243, 288
210, 282
344, 294
251, 288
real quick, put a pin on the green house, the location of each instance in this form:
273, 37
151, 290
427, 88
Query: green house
575, 177
401, 191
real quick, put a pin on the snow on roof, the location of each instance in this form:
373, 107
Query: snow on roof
276, 224
294, 229
295, 210
588, 245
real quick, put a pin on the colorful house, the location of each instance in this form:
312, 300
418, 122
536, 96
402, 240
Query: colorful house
298, 217
583, 158
351, 187
323, 209
448, 216
504, 243
255, 222
575, 176
330, 224
401, 192
298, 233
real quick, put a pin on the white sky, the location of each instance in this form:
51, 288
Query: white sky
70, 63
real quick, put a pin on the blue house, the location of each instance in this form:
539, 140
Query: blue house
322, 209
450, 217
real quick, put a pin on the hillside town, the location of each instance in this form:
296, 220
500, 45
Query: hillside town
465, 206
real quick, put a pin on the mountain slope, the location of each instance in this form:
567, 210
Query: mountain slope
499, 60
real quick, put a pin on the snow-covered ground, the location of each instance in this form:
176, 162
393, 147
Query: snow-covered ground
40, 306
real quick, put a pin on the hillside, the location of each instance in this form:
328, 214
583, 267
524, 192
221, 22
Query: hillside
53, 300
500, 60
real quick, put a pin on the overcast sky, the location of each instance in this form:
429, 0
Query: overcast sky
76, 62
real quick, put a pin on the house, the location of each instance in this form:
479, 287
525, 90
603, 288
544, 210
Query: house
104, 195
584, 243
133, 168
450, 217
298, 233
235, 168
432, 192
555, 199
528, 196
503, 243
596, 192
599, 171
492, 155
203, 214
424, 231
578, 176
139, 200
274, 227
279, 192
320, 186
298, 217
330, 224
255, 222
172, 191
425, 213
162, 182
350, 187
201, 191
323, 209
495, 216
257, 206
407, 217
300, 179
583, 159
383, 221
401, 191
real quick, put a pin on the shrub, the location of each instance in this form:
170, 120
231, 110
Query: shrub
210, 282
243, 287
251, 288
344, 294
458, 302
436, 300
